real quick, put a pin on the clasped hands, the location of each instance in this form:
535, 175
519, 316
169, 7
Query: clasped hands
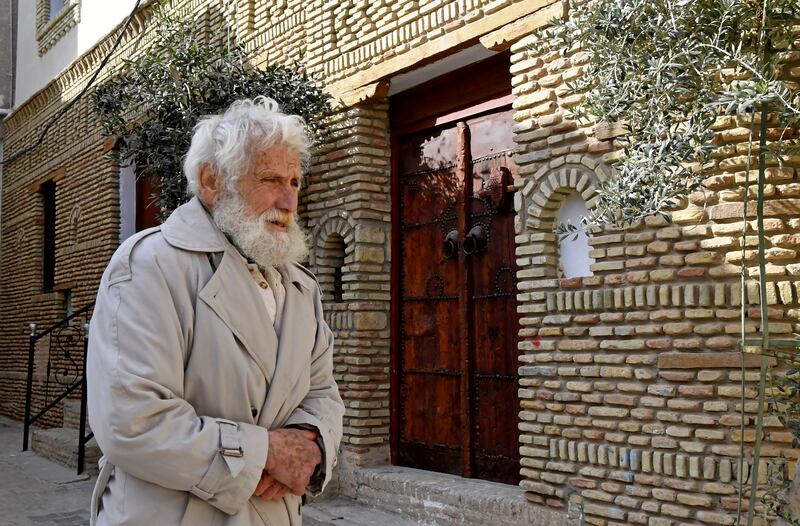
292, 458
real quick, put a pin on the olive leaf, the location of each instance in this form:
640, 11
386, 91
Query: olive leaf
668, 69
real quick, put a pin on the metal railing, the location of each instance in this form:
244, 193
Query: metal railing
64, 369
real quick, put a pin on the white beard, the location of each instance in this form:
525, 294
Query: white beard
252, 236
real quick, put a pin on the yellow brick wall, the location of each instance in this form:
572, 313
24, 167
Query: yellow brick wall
348, 45
348, 197
631, 378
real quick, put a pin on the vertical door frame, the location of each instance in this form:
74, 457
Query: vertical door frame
450, 98
395, 309
465, 292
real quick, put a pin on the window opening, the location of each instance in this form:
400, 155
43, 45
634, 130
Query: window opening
48, 191
336, 259
55, 7
338, 291
573, 250
68, 304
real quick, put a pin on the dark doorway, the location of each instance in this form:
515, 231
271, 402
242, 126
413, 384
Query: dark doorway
455, 323
146, 208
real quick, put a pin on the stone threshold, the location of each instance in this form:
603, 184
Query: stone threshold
341, 511
426, 497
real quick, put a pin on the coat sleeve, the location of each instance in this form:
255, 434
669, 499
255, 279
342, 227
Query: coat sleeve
322, 407
138, 341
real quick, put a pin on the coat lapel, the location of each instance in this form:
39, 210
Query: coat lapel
298, 330
230, 293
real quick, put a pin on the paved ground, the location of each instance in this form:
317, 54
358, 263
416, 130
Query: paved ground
35, 491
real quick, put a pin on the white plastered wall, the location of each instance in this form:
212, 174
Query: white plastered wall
98, 18
127, 202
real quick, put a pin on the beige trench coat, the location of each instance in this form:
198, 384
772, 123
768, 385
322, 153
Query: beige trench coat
186, 375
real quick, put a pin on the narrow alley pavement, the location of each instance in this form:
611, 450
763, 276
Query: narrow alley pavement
35, 491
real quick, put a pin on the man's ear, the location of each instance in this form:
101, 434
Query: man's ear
209, 185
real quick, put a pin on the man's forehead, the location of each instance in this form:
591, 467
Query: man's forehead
278, 155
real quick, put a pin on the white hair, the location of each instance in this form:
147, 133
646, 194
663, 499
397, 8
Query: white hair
225, 141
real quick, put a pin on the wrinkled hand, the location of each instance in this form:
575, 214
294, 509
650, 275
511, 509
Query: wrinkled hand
270, 489
292, 458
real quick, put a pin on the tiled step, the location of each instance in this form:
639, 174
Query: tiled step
344, 512
72, 415
61, 446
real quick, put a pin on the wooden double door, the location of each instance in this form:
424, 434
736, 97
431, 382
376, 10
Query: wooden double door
457, 359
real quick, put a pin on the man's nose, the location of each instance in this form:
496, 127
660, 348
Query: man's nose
287, 200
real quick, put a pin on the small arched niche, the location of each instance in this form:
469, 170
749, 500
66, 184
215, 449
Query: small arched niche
574, 260
74, 224
330, 263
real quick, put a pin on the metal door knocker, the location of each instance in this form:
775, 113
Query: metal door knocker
475, 241
451, 244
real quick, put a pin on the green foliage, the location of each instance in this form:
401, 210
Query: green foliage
153, 105
776, 497
667, 69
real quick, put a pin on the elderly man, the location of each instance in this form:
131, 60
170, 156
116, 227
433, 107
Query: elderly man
210, 370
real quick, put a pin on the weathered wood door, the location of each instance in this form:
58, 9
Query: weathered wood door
146, 208
458, 325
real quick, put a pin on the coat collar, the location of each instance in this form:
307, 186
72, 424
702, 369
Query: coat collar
190, 227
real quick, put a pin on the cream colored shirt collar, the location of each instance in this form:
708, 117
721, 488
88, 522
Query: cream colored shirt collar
272, 291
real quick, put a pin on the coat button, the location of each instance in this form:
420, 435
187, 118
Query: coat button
263, 284
254, 412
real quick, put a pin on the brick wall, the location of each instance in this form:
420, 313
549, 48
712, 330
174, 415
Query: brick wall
346, 203
631, 378
87, 231
347, 208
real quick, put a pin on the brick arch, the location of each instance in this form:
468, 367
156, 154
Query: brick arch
547, 192
540, 201
331, 254
335, 223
